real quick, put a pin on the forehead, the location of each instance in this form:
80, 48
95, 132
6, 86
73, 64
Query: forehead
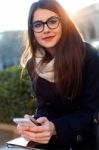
43, 14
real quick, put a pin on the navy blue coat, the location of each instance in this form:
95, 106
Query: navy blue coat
73, 119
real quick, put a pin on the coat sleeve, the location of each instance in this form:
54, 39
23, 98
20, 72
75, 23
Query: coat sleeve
80, 122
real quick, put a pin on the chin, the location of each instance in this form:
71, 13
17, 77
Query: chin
49, 45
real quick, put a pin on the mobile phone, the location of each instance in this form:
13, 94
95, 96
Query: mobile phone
25, 121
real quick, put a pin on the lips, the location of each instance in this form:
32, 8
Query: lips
48, 38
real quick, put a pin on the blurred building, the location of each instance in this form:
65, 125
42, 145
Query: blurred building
87, 20
11, 48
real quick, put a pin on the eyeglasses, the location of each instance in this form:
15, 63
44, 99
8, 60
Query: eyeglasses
52, 23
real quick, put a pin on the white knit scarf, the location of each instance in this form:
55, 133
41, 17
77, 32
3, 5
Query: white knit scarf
46, 70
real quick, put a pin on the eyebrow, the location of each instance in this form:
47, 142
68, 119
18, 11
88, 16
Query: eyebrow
44, 21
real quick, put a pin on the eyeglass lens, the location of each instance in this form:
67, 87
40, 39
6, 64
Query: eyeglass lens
52, 23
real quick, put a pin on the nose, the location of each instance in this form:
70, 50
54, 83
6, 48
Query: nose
46, 29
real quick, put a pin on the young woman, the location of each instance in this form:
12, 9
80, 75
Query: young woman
64, 72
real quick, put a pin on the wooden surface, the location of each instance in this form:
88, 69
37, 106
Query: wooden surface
7, 132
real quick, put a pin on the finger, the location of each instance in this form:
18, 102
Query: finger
42, 120
26, 116
38, 129
38, 140
44, 141
31, 118
34, 139
41, 141
36, 135
21, 128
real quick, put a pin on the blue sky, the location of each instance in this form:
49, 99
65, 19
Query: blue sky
13, 13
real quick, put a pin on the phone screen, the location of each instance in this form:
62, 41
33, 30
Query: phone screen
24, 121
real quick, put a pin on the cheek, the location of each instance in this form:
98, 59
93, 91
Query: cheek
59, 33
37, 36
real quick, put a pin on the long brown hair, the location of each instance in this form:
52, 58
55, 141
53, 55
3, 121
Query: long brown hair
70, 50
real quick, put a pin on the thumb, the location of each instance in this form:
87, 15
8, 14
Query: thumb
42, 120
28, 116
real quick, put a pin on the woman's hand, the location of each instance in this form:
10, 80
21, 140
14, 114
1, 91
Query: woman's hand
40, 134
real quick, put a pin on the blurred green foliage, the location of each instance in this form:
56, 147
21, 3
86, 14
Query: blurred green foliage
16, 97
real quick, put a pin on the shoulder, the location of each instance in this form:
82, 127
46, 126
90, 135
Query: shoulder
29, 66
91, 63
91, 54
29, 63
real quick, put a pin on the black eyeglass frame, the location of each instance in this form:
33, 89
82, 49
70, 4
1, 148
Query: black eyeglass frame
46, 22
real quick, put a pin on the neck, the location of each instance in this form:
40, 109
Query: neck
51, 51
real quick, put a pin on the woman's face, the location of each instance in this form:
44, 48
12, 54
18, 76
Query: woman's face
47, 35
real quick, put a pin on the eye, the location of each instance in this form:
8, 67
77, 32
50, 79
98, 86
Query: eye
37, 24
53, 21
